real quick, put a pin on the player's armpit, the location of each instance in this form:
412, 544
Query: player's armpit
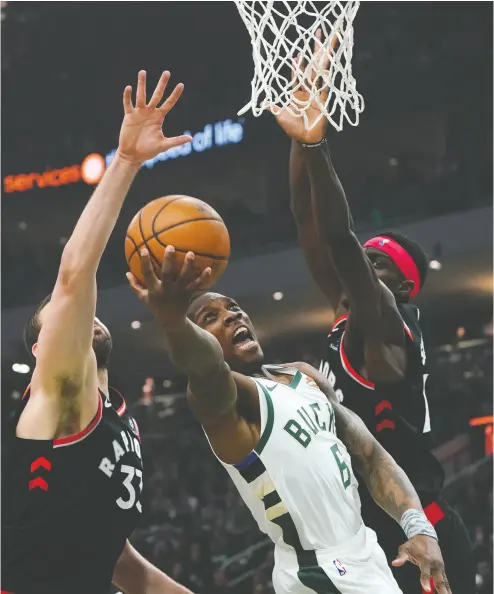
64, 386
388, 485
64, 348
228, 410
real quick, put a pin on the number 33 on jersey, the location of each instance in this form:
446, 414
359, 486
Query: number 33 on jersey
125, 448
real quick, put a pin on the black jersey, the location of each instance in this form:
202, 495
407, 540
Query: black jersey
397, 414
69, 504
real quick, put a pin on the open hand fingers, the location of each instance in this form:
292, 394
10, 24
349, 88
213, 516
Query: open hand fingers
141, 89
160, 89
150, 279
425, 577
402, 557
172, 99
127, 100
191, 277
136, 286
189, 270
174, 141
199, 281
168, 266
441, 583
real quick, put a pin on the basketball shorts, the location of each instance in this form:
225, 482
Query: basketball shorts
357, 567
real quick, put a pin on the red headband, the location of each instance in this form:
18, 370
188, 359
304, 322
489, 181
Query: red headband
400, 257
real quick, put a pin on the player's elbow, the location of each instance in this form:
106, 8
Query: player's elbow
302, 211
72, 268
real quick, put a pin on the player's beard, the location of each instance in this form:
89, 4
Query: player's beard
102, 347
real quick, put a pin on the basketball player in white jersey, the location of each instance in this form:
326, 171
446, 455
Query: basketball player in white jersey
286, 444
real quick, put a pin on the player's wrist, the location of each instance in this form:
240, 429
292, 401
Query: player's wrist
170, 319
127, 160
322, 143
414, 522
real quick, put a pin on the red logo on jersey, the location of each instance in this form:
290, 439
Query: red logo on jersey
41, 462
39, 482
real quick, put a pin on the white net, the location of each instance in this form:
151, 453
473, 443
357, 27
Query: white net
286, 47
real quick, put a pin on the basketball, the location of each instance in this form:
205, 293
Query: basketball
186, 223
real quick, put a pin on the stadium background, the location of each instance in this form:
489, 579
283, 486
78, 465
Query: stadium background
420, 161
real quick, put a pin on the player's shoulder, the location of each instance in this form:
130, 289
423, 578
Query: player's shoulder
338, 325
116, 402
409, 311
410, 315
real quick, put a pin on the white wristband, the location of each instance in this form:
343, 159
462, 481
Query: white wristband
415, 522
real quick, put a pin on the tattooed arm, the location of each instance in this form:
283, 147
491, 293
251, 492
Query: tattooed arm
392, 490
389, 486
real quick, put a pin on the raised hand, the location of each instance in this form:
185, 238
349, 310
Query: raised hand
168, 297
424, 551
293, 125
141, 135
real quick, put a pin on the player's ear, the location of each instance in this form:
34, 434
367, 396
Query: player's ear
406, 287
34, 349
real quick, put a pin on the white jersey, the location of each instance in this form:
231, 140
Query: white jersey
298, 482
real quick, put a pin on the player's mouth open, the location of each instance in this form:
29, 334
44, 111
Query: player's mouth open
242, 338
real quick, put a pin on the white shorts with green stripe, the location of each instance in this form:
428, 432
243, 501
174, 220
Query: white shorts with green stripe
357, 567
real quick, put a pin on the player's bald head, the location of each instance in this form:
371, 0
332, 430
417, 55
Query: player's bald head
200, 300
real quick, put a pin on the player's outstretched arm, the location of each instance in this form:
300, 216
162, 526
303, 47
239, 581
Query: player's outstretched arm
213, 388
301, 200
135, 575
371, 302
318, 259
65, 373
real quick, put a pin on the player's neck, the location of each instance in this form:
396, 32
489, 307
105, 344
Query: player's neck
103, 380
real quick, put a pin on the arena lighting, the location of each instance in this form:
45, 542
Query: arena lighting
435, 265
93, 166
135, 325
485, 422
278, 296
21, 368
479, 421
89, 171
213, 135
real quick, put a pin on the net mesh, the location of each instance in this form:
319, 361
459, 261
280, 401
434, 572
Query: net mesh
283, 35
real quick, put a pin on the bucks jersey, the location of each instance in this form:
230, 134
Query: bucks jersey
69, 504
298, 482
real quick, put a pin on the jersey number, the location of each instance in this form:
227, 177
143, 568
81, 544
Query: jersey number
345, 473
132, 499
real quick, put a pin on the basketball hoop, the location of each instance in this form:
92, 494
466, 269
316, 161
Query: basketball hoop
283, 35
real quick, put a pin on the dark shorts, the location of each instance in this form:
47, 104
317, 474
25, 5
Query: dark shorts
455, 546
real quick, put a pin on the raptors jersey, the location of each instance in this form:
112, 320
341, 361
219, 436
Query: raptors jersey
298, 482
69, 504
397, 414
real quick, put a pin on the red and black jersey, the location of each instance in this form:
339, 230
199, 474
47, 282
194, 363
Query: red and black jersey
69, 504
397, 414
